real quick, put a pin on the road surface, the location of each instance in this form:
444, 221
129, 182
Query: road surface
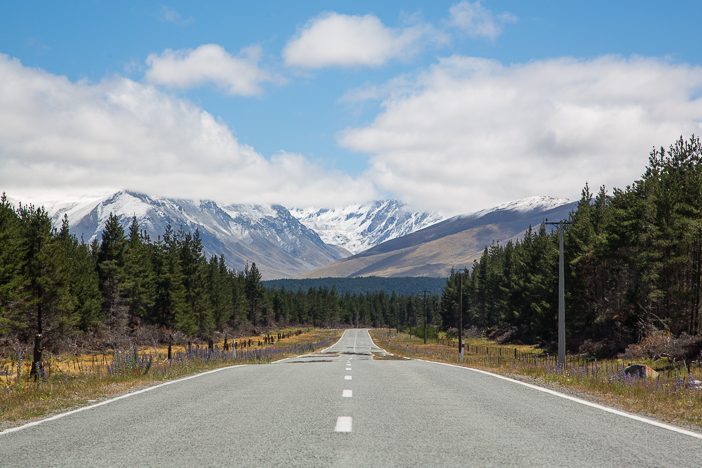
341, 407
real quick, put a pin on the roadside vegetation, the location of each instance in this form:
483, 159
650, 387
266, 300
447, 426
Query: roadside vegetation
673, 395
75, 380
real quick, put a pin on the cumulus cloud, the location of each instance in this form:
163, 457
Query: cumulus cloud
209, 64
477, 21
60, 138
336, 40
471, 133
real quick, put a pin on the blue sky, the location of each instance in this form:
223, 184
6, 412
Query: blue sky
305, 109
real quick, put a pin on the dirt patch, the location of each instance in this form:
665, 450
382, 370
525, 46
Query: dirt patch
389, 357
309, 360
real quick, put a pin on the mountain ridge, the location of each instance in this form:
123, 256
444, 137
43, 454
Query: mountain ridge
265, 234
358, 227
450, 244
285, 244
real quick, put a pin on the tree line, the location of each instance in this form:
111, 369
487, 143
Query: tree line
58, 288
633, 265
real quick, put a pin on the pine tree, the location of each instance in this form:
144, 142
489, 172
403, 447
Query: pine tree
37, 290
218, 290
194, 267
170, 308
111, 274
12, 319
254, 293
139, 282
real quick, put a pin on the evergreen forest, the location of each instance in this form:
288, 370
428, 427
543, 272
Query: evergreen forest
632, 266
110, 292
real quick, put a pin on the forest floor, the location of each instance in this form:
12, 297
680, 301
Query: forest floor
670, 397
77, 380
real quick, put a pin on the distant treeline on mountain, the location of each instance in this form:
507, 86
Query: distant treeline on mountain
406, 286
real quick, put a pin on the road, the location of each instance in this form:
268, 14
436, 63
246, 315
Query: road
341, 407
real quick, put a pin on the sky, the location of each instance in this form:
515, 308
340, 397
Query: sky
448, 106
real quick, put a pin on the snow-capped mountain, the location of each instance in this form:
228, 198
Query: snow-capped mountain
385, 237
361, 226
269, 235
524, 205
450, 244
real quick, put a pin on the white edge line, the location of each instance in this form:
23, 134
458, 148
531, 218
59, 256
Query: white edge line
330, 347
576, 400
373, 343
112, 400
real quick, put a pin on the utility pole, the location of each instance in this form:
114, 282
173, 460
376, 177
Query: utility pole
425, 316
561, 295
460, 316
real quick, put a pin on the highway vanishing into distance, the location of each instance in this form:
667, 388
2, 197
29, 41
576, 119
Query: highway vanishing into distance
350, 405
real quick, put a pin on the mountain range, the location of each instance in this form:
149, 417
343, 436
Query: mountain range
268, 235
362, 226
380, 238
450, 244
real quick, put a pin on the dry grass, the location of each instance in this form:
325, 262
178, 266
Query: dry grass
72, 364
667, 398
74, 381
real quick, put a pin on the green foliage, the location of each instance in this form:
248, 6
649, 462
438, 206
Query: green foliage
633, 264
254, 295
52, 283
11, 278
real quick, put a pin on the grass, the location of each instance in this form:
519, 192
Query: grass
669, 398
74, 381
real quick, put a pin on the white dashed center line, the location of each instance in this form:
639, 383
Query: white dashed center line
347, 393
347, 377
348, 368
343, 424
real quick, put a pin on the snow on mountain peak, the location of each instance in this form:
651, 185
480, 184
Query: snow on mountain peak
360, 226
524, 205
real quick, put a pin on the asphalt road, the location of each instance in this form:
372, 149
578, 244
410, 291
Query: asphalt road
343, 408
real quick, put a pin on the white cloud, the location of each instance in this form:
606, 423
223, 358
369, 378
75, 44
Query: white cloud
472, 132
336, 40
478, 21
60, 138
170, 15
209, 64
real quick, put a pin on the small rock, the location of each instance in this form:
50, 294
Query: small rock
641, 371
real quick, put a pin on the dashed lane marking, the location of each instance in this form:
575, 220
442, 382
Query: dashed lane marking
343, 424
347, 394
